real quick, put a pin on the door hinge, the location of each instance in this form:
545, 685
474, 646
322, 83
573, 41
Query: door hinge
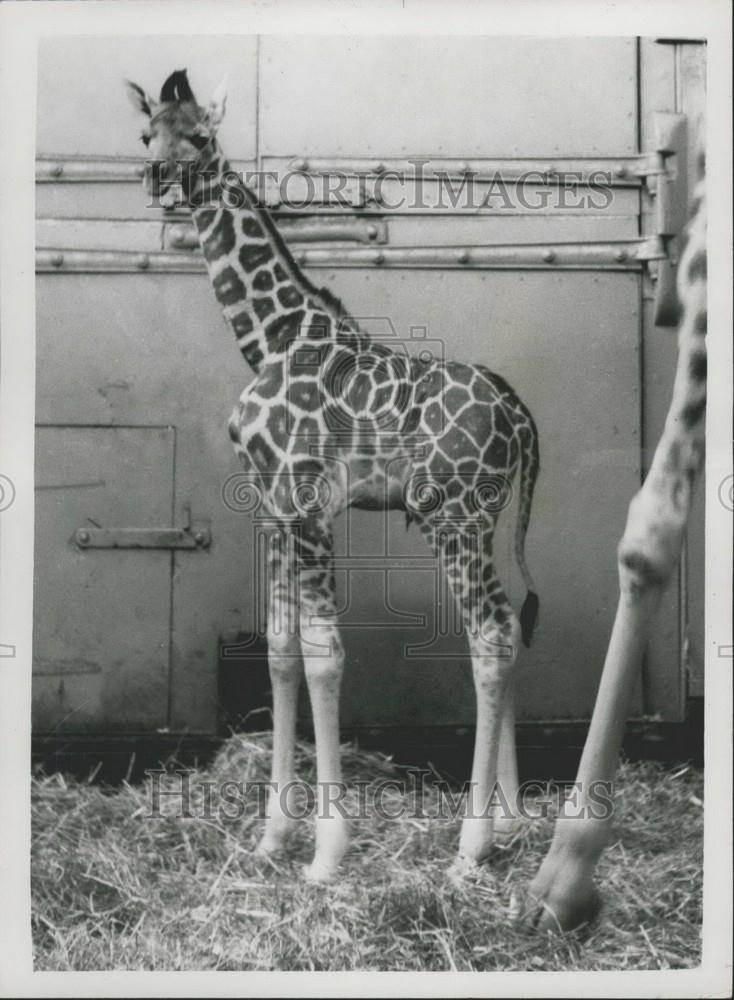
670, 190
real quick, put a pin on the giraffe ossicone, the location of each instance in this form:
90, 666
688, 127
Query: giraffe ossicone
335, 418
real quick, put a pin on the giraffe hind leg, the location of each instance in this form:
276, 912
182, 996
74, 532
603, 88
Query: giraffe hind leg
493, 633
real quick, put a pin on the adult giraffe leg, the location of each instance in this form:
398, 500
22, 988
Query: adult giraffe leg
563, 895
286, 670
323, 658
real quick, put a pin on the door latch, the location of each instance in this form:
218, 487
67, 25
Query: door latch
191, 535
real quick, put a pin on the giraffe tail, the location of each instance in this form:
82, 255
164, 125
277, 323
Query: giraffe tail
529, 469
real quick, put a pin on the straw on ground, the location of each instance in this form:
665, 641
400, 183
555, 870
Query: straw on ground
113, 889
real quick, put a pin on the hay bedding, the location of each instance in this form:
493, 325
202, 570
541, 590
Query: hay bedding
114, 890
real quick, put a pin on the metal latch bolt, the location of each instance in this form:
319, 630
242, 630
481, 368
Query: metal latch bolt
192, 535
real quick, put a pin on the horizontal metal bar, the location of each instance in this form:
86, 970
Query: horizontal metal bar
196, 537
68, 169
100, 169
619, 169
184, 236
123, 261
614, 255
628, 254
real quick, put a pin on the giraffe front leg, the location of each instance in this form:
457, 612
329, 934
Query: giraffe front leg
286, 670
323, 659
493, 657
284, 661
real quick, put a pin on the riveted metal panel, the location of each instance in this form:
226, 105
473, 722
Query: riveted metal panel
101, 618
484, 96
146, 348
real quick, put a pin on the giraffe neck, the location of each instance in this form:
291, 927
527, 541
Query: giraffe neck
264, 295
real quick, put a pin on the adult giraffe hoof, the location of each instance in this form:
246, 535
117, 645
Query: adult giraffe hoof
561, 901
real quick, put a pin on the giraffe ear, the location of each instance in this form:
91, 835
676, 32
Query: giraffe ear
139, 99
215, 111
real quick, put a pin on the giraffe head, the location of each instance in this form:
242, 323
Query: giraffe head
179, 135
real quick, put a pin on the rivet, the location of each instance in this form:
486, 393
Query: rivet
57, 259
57, 170
140, 171
653, 277
372, 232
82, 536
300, 164
621, 171
143, 262
463, 256
465, 168
549, 256
199, 537
302, 258
378, 168
378, 258
620, 255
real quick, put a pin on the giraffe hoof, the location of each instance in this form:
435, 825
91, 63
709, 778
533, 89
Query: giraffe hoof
320, 873
463, 869
560, 902
270, 844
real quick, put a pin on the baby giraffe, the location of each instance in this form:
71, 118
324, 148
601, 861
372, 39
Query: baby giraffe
331, 419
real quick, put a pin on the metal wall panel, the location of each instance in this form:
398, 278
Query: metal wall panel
151, 349
382, 96
101, 617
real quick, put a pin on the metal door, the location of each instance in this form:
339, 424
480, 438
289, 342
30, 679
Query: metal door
101, 628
